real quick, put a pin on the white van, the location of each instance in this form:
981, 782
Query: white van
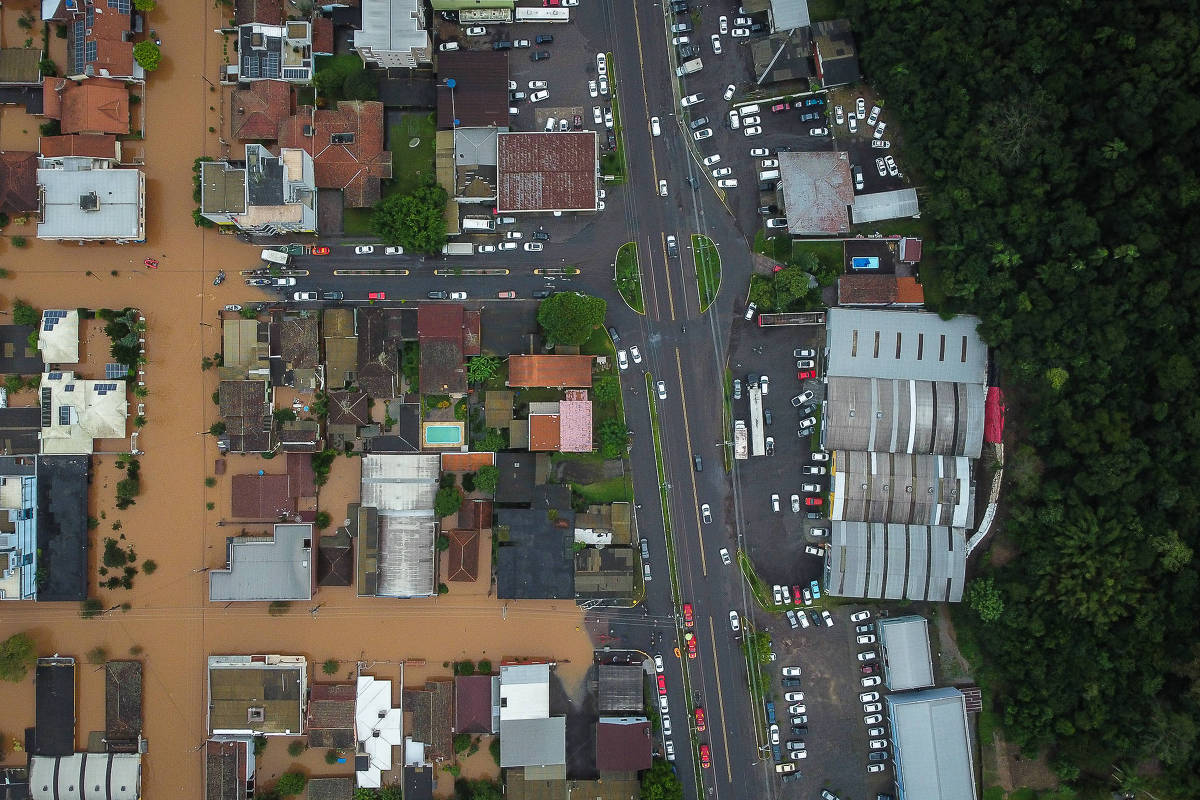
276, 257
747, 111
769, 175
654, 127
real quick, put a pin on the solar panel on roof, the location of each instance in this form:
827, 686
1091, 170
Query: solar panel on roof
115, 370
272, 65
64, 415
55, 376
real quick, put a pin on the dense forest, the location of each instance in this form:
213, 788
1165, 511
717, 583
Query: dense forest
1056, 148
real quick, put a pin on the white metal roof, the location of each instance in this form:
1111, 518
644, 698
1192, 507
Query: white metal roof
932, 750
391, 26
524, 691
113, 198
533, 742
788, 14
378, 728
907, 659
917, 562
878, 206
278, 567
916, 345
86, 776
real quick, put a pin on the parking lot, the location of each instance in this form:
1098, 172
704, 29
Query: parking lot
837, 740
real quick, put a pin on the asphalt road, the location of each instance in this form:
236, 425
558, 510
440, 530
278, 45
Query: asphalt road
680, 345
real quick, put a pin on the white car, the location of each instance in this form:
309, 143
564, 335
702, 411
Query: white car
753, 130
662, 390
743, 21
513, 234
751, 120
880, 144
866, 638
655, 127
868, 697
774, 729
875, 732
678, 40
777, 222
713, 159
725, 559
839, 116
486, 248
393, 251
662, 188
706, 514
538, 97
867, 655
818, 131
796, 755
658, 663
879, 744
622, 359
759, 152
872, 719
666, 720
740, 33
873, 768
775, 503
794, 697
592, 90
305, 296
533, 247
879, 129
692, 99
477, 30
721, 172
825, 615
777, 594
728, 183
570, 3
670, 748
597, 116
716, 44
853, 124
604, 84
734, 623
702, 134
860, 108
521, 43
881, 167
729, 90
800, 615
608, 118
871, 708
723, 24
770, 163
892, 169
859, 616
635, 354
874, 117
791, 672
825, 457
601, 64
508, 245
550, 123
795, 504
798, 708
735, 121
538, 84
364, 250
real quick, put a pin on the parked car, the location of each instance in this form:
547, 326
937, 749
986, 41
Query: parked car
818, 131
438, 295
795, 504
868, 697
753, 130
818, 456
813, 550
635, 354
879, 129
725, 559
802, 398
534, 247
858, 616
872, 707
702, 134
860, 108
538, 97
377, 295
775, 503
866, 638
868, 655
698, 123
662, 390
364, 250
476, 30
811, 470
692, 99
727, 183
750, 309
304, 296
729, 90
737, 388
706, 514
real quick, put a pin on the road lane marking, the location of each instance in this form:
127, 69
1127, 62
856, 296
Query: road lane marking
662, 243
712, 642
687, 436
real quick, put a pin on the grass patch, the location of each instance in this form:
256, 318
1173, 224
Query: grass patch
612, 490
412, 167
993, 793
629, 278
760, 590
708, 269
357, 222
827, 252
987, 726
825, 10
614, 163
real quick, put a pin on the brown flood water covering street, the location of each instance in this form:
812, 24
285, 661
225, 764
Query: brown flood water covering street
171, 620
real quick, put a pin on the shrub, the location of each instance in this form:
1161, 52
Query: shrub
291, 783
148, 566
295, 748
484, 667
17, 655
147, 55
97, 655
331, 757
447, 501
323, 520
331, 666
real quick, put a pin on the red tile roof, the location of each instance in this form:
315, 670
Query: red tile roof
300, 472
550, 370
878, 290
262, 497
623, 746
109, 31
439, 321
256, 113
473, 704
543, 433
910, 249
18, 182
464, 556
466, 462
95, 105
268, 12
322, 36
355, 167
92, 145
546, 171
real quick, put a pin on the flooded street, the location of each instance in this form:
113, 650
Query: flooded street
170, 624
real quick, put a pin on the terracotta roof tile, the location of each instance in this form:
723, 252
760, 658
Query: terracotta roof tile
322, 36
546, 171
92, 145
95, 105
544, 432
108, 31
18, 182
550, 371
466, 462
256, 112
355, 167
464, 556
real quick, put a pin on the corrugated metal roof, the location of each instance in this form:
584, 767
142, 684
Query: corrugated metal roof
905, 642
788, 14
916, 345
817, 191
877, 560
262, 568
877, 206
391, 26
932, 748
116, 212
903, 488
533, 742
904, 416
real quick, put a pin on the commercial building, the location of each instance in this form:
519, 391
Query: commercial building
623, 744
265, 194
877, 206
835, 53
902, 488
77, 412
472, 90
914, 562
266, 568
257, 695
393, 33
914, 345
896, 415
397, 536
931, 745
529, 736
273, 52
538, 172
817, 191
907, 660
87, 203
44, 528
86, 776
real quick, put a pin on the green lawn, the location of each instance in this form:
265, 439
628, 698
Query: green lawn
824, 10
827, 252
357, 222
629, 277
708, 269
612, 490
412, 167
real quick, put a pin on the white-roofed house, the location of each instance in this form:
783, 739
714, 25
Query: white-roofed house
378, 727
79, 203
76, 412
529, 736
86, 776
393, 33
58, 338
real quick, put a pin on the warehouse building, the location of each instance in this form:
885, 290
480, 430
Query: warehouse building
914, 562
871, 486
931, 745
897, 415
907, 659
915, 345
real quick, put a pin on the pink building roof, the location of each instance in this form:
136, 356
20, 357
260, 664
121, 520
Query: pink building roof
575, 426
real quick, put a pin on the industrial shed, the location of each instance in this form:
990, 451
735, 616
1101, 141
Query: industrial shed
932, 745
877, 206
914, 562
894, 415
903, 488
907, 662
915, 345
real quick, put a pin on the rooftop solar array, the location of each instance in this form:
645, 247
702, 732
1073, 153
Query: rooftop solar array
115, 371
51, 318
105, 388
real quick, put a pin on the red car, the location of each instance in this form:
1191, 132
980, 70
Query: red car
688, 620
869, 669
813, 501
799, 598
780, 107
806, 374
705, 756
377, 296
662, 685
320, 251
699, 720
691, 644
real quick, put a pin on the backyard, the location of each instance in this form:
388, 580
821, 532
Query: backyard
412, 167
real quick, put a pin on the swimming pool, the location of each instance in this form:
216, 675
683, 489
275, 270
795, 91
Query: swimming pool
436, 434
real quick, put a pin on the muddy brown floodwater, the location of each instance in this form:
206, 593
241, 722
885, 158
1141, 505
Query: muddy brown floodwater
170, 624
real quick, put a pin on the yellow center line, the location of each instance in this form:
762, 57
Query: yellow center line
687, 433
712, 641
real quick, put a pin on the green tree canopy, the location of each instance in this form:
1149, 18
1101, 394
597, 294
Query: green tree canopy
570, 317
482, 368
613, 438
606, 389
486, 479
291, 783
415, 220
17, 655
25, 314
447, 501
147, 54
984, 599
661, 783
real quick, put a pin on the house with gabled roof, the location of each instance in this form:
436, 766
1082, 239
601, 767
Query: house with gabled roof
347, 147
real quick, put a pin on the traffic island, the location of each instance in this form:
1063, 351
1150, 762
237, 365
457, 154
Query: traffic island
627, 274
708, 270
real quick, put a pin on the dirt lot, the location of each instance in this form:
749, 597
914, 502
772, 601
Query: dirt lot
170, 621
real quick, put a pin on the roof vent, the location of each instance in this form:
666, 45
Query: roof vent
308, 130
89, 202
256, 714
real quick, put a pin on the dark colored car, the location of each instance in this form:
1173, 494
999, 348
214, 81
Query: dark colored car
869, 669
541, 236
767, 416
438, 295
616, 337
577, 123
698, 463
698, 123
331, 295
791, 683
687, 51
757, 27
502, 45
811, 116
543, 38
541, 294
680, 7
799, 730
539, 55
